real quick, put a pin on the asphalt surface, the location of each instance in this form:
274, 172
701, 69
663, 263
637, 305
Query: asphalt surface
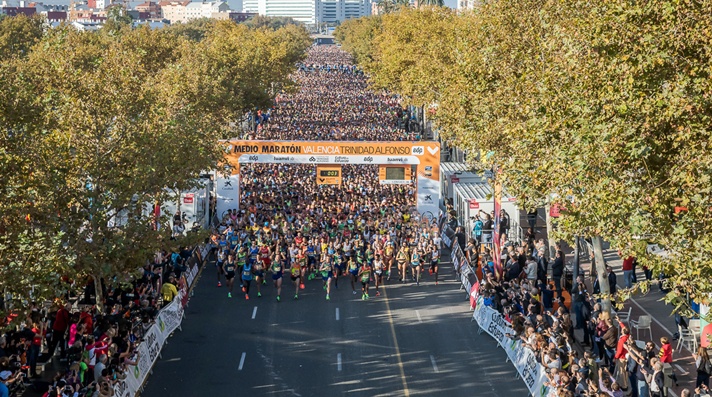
412, 340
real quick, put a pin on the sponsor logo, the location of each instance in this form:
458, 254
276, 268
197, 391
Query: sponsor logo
433, 150
418, 150
228, 183
368, 159
428, 198
396, 160
341, 159
428, 170
281, 158
312, 159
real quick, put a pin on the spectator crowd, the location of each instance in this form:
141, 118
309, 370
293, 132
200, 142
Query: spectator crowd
91, 348
609, 361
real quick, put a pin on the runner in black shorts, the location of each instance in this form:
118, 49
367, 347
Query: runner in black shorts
229, 269
295, 272
276, 269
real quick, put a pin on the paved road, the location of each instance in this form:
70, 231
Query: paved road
412, 340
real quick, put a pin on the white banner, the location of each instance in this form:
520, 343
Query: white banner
148, 349
320, 159
446, 239
395, 182
228, 194
126, 387
169, 317
465, 275
524, 359
190, 277
428, 196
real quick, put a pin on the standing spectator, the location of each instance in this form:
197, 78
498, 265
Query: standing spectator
100, 366
656, 380
612, 280
557, 271
578, 297
628, 270
169, 290
4, 377
460, 237
59, 330
610, 342
703, 366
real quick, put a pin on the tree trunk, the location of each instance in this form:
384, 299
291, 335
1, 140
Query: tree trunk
602, 274
98, 293
549, 230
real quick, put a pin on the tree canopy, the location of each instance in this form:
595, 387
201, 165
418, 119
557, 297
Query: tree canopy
601, 107
99, 126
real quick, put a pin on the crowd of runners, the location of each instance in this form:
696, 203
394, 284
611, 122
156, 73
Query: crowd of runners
360, 233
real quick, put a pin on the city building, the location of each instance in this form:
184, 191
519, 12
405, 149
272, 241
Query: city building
467, 4
197, 10
174, 11
310, 12
151, 8
241, 16
184, 11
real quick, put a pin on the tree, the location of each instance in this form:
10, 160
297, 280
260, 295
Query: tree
389, 6
18, 34
600, 106
274, 23
194, 30
98, 126
438, 3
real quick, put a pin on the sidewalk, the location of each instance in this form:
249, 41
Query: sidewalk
663, 323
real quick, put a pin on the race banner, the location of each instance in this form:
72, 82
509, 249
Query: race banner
126, 387
170, 317
447, 237
148, 353
465, 275
524, 360
228, 194
424, 155
474, 294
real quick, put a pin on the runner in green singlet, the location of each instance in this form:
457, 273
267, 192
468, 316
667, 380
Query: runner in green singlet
365, 275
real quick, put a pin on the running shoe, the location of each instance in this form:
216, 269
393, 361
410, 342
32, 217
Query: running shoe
354, 292
219, 285
378, 293
244, 289
311, 277
247, 297
296, 297
229, 295
436, 283
264, 282
278, 298
327, 297
367, 296
363, 297
301, 286
259, 294
324, 287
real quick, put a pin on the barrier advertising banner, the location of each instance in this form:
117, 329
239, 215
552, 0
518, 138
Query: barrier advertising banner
170, 317
168, 320
523, 359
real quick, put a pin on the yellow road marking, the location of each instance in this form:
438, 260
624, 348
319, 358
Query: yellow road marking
395, 342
